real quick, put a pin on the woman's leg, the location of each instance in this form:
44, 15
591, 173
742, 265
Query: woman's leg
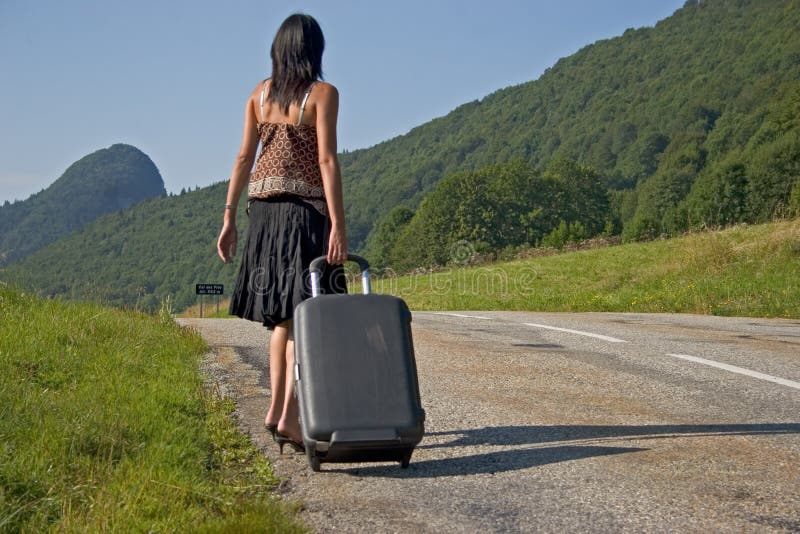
277, 372
289, 425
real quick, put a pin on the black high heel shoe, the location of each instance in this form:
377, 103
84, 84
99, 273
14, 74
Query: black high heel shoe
282, 440
273, 431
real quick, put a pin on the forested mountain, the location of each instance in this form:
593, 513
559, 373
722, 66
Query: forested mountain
102, 182
689, 122
694, 122
138, 256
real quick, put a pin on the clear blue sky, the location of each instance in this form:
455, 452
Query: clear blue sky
172, 77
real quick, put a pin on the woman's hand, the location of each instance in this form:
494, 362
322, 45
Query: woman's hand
337, 246
226, 243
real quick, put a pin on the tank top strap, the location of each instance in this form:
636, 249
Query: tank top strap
303, 103
263, 94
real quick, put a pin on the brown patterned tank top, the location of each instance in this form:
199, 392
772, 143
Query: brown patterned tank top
288, 162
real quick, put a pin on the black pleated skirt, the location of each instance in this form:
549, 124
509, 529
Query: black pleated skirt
285, 233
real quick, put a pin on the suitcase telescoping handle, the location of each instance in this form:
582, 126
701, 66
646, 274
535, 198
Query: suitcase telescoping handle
316, 271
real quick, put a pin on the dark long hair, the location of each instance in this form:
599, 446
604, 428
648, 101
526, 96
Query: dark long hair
296, 59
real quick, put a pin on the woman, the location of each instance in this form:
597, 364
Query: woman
294, 204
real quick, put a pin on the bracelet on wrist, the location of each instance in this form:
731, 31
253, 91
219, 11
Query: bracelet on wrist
230, 206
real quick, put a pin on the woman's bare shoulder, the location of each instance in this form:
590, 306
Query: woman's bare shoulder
325, 89
258, 88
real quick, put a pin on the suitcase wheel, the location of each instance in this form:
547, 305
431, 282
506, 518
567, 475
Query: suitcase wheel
313, 460
406, 459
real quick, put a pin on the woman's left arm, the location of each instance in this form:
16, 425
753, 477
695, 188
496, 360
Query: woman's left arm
327, 113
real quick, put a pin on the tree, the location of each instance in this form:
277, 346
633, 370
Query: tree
501, 206
773, 171
382, 240
719, 197
578, 195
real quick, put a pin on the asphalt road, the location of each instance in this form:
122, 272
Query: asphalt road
551, 422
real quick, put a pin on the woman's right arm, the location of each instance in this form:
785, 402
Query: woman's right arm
226, 243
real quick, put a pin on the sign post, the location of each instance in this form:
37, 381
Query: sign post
208, 289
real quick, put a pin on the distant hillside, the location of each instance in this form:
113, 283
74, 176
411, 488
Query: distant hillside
138, 256
652, 110
690, 124
102, 182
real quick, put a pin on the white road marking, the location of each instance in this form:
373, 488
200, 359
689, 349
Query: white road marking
465, 316
537, 325
578, 332
739, 370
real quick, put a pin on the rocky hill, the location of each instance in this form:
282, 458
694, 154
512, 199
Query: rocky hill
102, 182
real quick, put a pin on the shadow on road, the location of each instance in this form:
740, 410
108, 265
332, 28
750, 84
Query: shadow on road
490, 462
534, 456
528, 435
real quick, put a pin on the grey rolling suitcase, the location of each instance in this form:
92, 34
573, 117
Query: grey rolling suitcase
356, 377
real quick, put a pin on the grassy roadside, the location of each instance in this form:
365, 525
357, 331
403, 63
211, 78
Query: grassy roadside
743, 271
105, 425
740, 271
209, 309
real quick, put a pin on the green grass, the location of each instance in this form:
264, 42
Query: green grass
209, 310
741, 271
106, 425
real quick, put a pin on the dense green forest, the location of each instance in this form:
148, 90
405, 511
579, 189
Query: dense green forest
102, 182
499, 207
692, 122
139, 256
